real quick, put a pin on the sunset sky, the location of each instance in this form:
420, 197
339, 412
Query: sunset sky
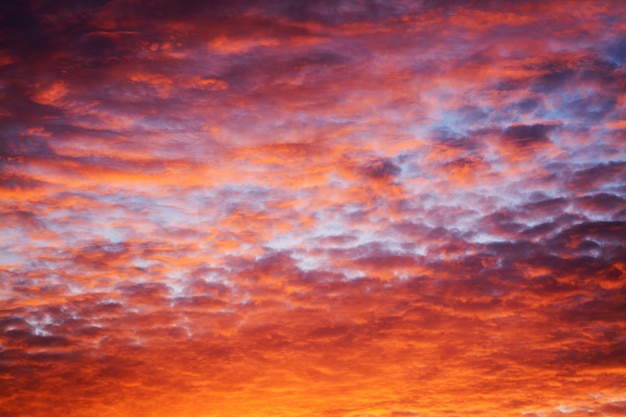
329, 208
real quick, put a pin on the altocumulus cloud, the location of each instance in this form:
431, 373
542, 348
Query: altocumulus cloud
325, 208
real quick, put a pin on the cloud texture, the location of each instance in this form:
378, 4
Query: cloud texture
324, 208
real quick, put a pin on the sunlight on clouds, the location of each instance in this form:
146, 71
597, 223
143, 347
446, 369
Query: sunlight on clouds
294, 209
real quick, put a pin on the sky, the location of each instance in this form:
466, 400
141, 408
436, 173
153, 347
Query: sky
345, 208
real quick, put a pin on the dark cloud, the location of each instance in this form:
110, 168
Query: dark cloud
598, 175
616, 49
554, 80
527, 136
540, 230
602, 202
381, 169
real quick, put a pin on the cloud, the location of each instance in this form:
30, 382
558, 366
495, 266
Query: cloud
344, 208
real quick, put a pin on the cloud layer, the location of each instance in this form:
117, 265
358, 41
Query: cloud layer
353, 208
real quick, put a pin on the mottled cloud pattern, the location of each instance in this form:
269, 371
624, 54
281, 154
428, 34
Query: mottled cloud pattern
324, 208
